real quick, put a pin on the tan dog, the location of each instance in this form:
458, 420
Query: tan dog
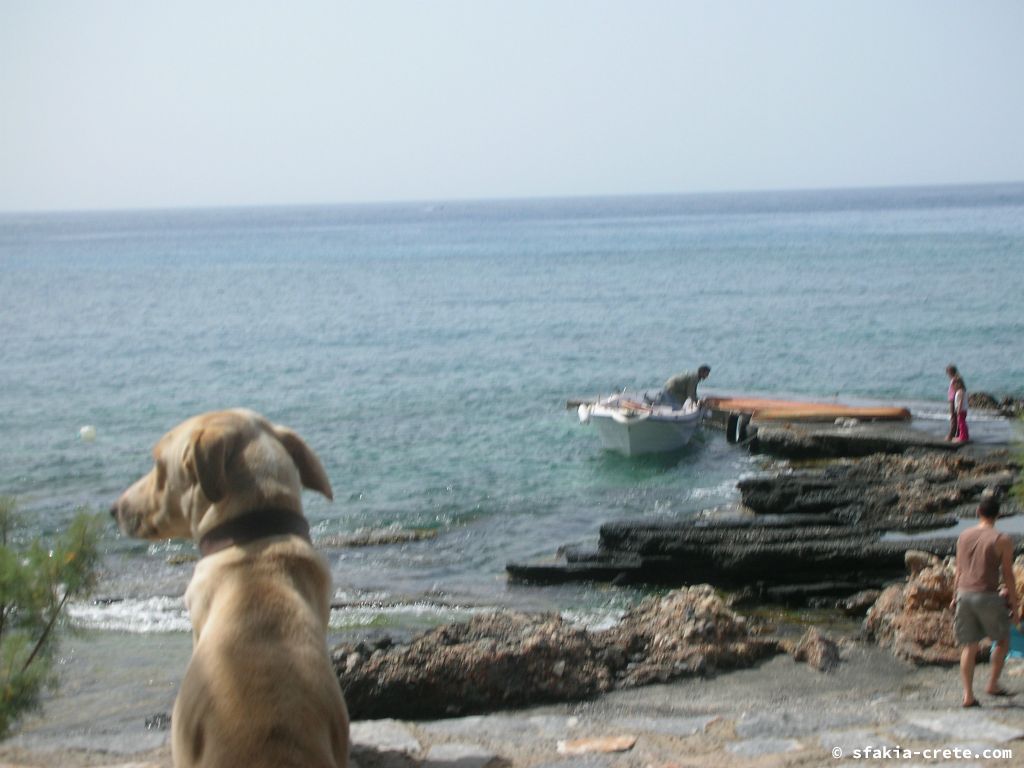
260, 689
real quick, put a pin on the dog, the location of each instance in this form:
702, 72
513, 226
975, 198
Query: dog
260, 689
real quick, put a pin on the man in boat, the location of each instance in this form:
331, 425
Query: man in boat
683, 386
983, 554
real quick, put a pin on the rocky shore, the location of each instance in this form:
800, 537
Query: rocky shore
861, 523
1006, 405
805, 531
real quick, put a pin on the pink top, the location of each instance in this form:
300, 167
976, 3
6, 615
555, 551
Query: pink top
952, 391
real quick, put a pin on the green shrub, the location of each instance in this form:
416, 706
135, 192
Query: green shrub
36, 582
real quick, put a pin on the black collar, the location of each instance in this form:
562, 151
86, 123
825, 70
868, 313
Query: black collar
260, 524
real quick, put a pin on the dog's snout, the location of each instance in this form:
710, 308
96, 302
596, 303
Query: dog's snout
113, 510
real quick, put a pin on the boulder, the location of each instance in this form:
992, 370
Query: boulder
818, 650
915, 620
688, 632
493, 661
860, 603
916, 561
502, 660
1009, 406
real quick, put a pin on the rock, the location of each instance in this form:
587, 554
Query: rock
603, 744
763, 746
1008, 406
504, 660
376, 537
916, 561
982, 400
910, 492
914, 619
817, 650
848, 741
688, 632
460, 755
385, 735
496, 660
161, 721
965, 725
816, 441
679, 727
860, 603
1011, 407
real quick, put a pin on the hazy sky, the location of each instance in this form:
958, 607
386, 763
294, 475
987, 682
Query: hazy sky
138, 103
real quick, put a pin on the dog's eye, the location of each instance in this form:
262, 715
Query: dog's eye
161, 475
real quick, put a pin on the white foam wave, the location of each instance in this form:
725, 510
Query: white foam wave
410, 615
594, 620
723, 490
167, 615
138, 616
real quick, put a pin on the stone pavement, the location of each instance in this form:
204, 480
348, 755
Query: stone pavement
872, 710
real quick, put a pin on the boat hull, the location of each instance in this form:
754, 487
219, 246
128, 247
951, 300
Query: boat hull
643, 435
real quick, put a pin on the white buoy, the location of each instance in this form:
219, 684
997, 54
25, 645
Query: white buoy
87, 433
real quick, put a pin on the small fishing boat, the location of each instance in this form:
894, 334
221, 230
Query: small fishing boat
634, 426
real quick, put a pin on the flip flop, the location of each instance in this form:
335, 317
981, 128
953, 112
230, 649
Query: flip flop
1000, 692
974, 703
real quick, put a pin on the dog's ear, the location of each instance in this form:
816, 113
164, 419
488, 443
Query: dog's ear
311, 471
207, 458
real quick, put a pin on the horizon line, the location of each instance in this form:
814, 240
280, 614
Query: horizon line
211, 207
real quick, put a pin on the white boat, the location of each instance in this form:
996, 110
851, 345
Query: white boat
633, 426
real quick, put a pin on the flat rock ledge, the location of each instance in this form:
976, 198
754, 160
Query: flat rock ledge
794, 440
502, 660
814, 535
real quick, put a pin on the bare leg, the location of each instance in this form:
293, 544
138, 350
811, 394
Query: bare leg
996, 663
967, 660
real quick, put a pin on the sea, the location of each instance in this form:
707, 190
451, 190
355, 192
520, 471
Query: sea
426, 351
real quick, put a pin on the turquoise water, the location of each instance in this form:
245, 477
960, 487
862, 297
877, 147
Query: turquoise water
426, 352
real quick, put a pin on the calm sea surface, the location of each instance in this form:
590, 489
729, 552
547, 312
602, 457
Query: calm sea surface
426, 352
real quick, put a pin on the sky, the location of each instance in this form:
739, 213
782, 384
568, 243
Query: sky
112, 104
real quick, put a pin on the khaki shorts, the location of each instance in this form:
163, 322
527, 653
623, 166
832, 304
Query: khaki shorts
980, 615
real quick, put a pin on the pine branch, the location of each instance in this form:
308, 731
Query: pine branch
46, 632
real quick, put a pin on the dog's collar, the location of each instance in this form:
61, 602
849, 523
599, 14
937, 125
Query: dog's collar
260, 524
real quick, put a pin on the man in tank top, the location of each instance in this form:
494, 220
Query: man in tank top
983, 554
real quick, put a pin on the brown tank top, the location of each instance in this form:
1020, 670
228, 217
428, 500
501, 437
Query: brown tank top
978, 558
